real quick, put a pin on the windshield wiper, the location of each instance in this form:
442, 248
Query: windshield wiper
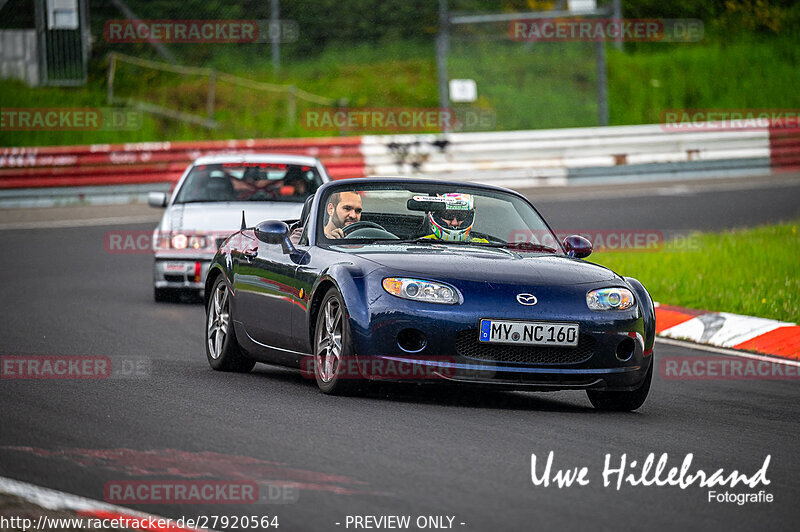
518, 246
398, 240
530, 246
200, 201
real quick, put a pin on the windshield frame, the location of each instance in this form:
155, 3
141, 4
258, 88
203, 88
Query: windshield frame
423, 186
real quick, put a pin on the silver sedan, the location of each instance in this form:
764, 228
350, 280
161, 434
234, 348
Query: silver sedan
208, 204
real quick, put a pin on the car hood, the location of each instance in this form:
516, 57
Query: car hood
225, 217
481, 264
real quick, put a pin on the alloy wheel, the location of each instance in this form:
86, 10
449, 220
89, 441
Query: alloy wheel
329, 341
218, 321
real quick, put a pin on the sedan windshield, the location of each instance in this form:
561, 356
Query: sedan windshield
435, 213
249, 182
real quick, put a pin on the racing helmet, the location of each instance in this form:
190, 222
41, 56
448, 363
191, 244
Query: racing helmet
456, 206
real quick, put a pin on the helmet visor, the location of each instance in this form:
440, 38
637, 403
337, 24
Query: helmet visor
454, 218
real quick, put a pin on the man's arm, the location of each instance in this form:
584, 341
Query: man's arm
294, 238
333, 232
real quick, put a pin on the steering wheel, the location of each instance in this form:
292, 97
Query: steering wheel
355, 226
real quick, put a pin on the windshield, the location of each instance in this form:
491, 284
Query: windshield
435, 214
289, 183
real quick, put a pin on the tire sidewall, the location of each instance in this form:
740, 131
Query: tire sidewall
623, 401
230, 355
336, 385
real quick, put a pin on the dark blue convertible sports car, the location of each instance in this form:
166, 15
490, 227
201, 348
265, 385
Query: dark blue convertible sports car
435, 281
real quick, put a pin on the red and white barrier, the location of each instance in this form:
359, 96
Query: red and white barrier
156, 162
81, 507
510, 158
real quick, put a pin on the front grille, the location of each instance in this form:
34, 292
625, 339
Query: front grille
467, 345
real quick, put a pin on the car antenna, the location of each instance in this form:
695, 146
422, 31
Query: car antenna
244, 224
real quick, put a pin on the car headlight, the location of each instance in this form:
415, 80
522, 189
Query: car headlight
610, 299
421, 290
160, 240
180, 241
197, 242
164, 240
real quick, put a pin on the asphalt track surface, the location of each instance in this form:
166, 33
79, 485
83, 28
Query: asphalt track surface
397, 451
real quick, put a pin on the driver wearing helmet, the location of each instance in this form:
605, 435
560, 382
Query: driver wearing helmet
454, 222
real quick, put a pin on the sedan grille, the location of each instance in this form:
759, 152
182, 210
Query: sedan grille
467, 345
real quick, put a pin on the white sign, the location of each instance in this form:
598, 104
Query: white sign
463, 90
62, 14
582, 6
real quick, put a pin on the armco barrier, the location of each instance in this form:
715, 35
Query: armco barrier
585, 155
512, 158
784, 145
154, 162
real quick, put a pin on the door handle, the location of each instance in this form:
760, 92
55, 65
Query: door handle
250, 253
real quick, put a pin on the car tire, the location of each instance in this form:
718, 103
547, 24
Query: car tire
622, 401
222, 348
162, 295
333, 347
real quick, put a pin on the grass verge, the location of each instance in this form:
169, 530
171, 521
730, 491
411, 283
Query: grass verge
528, 87
752, 271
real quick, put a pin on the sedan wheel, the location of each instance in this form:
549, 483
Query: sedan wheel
332, 347
222, 349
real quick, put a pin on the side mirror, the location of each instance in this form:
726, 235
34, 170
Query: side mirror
157, 199
274, 232
577, 246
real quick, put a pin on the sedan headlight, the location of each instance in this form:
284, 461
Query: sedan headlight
610, 299
164, 240
421, 290
160, 240
197, 242
180, 241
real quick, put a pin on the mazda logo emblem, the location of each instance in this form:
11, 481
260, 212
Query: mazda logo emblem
526, 299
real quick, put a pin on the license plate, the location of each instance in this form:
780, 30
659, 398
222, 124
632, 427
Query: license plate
176, 267
529, 333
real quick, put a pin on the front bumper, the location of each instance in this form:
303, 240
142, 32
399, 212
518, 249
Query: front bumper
611, 353
181, 273
599, 369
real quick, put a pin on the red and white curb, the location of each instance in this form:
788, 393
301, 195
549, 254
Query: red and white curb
83, 507
730, 331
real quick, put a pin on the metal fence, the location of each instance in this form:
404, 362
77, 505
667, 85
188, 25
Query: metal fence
202, 110
528, 85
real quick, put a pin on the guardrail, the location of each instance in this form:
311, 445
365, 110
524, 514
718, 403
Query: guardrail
586, 155
515, 158
95, 166
784, 146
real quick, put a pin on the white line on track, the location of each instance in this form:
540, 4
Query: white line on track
59, 500
88, 222
729, 352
